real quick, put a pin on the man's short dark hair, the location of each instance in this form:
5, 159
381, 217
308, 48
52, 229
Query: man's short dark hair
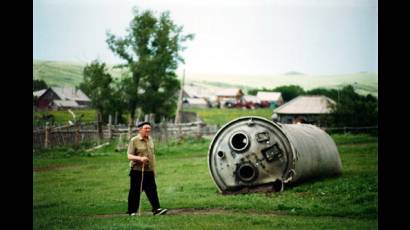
143, 123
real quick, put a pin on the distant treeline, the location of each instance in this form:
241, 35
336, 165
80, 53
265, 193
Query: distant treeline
351, 109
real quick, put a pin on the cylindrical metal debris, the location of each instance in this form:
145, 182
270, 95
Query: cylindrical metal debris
254, 154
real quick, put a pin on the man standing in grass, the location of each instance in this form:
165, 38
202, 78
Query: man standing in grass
142, 174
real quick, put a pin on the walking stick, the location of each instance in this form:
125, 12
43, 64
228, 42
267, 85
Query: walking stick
142, 179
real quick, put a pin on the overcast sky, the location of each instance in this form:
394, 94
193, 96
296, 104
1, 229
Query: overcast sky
231, 37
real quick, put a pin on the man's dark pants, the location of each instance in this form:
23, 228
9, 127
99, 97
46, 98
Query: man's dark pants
149, 186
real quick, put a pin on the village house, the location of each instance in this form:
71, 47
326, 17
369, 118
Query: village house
273, 98
250, 102
230, 93
229, 96
195, 103
195, 91
61, 98
304, 109
196, 96
252, 99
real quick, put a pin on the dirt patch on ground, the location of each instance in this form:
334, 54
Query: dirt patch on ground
52, 167
208, 211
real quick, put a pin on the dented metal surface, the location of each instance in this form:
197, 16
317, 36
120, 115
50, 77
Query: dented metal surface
254, 154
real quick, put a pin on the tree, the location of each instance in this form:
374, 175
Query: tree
151, 52
330, 93
354, 110
97, 86
351, 109
255, 91
39, 84
289, 91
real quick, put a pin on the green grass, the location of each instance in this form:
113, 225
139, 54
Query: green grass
59, 73
212, 116
63, 116
215, 116
73, 189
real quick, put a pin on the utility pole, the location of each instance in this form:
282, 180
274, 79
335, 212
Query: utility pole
178, 115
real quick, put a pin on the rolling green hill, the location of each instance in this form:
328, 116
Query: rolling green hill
364, 83
56, 73
70, 74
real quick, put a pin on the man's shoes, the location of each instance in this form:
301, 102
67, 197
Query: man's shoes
133, 214
160, 211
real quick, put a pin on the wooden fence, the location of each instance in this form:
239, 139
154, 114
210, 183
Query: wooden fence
50, 136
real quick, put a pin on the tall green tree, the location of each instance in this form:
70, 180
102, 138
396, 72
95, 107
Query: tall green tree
97, 86
330, 93
39, 84
354, 109
151, 51
351, 108
256, 90
289, 91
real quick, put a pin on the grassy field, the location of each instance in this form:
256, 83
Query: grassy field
215, 116
73, 189
211, 116
57, 73
63, 116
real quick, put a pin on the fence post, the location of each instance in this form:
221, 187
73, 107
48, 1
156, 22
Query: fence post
46, 136
99, 128
179, 131
129, 135
116, 118
121, 145
199, 134
77, 134
109, 127
164, 131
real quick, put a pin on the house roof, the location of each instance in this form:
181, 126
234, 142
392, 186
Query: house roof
196, 101
62, 103
193, 91
306, 105
269, 96
39, 92
229, 92
252, 98
69, 93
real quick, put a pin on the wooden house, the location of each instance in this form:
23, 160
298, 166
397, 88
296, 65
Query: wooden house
273, 98
304, 109
61, 98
